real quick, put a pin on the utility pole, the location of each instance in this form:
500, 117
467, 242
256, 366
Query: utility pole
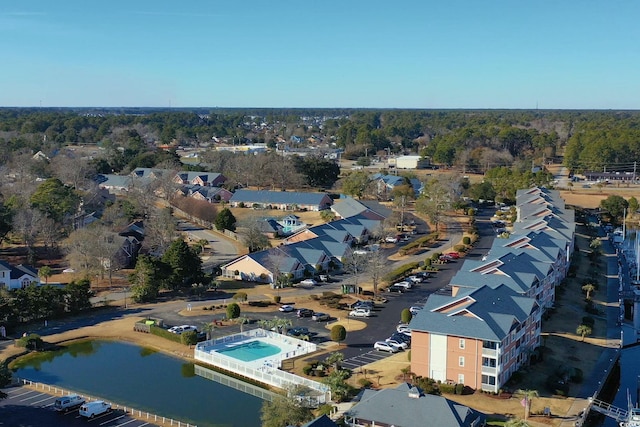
635, 164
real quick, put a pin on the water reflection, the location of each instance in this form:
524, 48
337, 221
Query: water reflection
144, 379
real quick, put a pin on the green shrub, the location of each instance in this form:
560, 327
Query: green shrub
30, 342
277, 299
233, 311
459, 388
365, 383
427, 262
400, 272
409, 355
405, 316
460, 248
307, 369
447, 388
156, 330
240, 296
466, 240
189, 338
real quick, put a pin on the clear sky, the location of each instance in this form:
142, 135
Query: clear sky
329, 53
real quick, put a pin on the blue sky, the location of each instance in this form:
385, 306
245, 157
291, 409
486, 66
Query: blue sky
347, 53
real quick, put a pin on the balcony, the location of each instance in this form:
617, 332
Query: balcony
490, 352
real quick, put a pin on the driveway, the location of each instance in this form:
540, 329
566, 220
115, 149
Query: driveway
223, 248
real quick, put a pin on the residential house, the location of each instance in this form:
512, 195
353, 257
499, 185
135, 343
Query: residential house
478, 337
285, 200
17, 276
385, 184
408, 406
264, 266
208, 194
203, 179
348, 207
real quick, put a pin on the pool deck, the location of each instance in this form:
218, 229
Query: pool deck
267, 369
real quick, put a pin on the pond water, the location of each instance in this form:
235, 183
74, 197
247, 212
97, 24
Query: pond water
143, 379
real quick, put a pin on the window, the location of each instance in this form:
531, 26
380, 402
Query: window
460, 378
461, 343
461, 361
488, 379
489, 362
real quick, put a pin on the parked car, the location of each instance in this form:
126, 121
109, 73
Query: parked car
397, 336
403, 328
363, 304
324, 277
403, 284
67, 403
183, 328
396, 288
297, 331
360, 312
391, 239
385, 346
91, 409
320, 317
286, 308
360, 252
414, 279
400, 344
453, 255
414, 309
304, 312
309, 282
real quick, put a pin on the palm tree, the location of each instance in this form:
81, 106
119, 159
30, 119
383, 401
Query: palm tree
334, 359
528, 396
584, 330
241, 321
588, 288
208, 328
45, 271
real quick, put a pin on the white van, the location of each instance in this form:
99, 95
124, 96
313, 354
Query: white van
67, 403
91, 409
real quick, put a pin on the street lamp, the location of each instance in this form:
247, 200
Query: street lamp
125, 297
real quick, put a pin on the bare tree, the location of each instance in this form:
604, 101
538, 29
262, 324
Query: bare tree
159, 231
252, 235
72, 170
376, 267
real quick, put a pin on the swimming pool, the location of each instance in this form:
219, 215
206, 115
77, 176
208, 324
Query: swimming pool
250, 351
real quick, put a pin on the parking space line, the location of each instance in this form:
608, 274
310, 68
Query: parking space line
23, 394
32, 397
129, 421
49, 397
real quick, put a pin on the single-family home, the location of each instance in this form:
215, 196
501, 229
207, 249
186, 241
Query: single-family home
208, 194
264, 266
285, 200
17, 276
203, 179
408, 406
478, 337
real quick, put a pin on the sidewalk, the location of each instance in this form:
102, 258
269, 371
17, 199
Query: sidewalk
597, 377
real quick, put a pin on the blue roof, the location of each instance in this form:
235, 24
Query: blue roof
281, 197
483, 313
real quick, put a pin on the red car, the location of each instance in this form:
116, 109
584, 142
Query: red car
453, 255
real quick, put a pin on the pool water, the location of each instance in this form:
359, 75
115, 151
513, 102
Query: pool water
250, 351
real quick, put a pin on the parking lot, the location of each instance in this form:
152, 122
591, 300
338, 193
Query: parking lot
26, 407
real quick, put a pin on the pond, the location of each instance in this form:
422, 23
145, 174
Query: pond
143, 379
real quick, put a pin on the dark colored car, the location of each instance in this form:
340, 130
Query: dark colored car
297, 331
319, 317
304, 312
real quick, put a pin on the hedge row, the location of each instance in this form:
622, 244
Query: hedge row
400, 272
419, 243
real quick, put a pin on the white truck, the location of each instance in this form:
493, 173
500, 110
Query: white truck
67, 403
91, 409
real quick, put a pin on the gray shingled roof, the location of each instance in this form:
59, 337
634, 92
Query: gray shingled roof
280, 197
395, 407
494, 312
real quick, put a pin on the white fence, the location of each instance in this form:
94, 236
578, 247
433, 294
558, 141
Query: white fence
135, 413
268, 373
